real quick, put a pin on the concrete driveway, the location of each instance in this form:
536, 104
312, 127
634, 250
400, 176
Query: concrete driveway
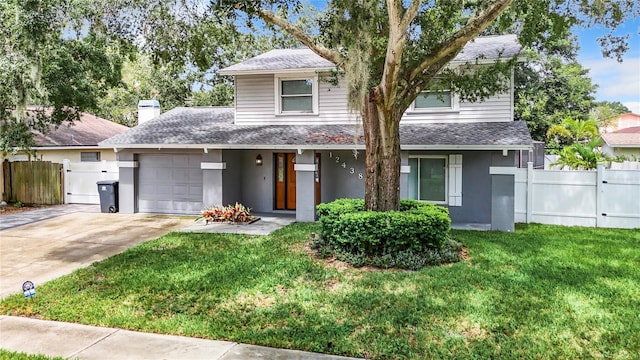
44, 250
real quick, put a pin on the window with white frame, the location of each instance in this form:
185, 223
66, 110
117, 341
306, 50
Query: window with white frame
297, 95
428, 179
437, 99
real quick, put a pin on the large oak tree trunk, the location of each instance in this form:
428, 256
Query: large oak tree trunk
382, 140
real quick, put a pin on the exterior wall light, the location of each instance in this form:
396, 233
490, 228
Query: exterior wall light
259, 160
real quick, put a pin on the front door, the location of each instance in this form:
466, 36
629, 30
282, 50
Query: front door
285, 181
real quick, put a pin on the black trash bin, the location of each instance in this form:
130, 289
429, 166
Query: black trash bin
108, 190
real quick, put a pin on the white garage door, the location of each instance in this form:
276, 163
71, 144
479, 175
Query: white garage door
170, 183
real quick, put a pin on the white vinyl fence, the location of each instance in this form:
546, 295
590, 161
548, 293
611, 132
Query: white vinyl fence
601, 198
80, 180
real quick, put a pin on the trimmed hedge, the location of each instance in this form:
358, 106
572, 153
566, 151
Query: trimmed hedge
352, 233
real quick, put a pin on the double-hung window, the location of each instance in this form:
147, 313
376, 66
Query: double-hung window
297, 95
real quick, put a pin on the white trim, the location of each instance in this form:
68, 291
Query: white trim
315, 91
455, 104
128, 164
455, 180
277, 72
512, 92
213, 165
405, 169
502, 170
64, 147
305, 167
446, 177
317, 147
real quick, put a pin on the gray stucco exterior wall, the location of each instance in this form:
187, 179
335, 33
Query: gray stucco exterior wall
476, 183
502, 202
341, 175
127, 192
212, 185
231, 177
305, 186
257, 181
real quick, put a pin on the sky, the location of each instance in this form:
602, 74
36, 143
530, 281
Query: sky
616, 81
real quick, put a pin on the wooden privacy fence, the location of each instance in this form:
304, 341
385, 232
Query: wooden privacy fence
33, 182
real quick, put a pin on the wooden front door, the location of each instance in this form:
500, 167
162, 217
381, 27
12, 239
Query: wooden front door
285, 181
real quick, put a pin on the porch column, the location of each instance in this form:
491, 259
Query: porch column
212, 167
305, 168
128, 175
502, 198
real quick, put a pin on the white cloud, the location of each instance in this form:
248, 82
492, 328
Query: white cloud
634, 106
616, 81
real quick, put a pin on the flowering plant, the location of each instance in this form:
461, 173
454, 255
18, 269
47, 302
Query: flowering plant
237, 213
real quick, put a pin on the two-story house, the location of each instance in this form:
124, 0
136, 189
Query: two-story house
290, 142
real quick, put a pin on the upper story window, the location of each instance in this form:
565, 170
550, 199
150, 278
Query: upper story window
434, 100
438, 98
297, 95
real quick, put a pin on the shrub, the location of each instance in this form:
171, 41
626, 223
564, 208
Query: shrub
407, 238
237, 213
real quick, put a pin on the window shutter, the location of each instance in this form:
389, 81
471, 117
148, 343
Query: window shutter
455, 180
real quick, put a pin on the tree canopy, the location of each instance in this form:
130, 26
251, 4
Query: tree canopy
551, 86
392, 50
389, 51
39, 65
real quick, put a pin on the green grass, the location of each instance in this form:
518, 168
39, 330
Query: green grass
11, 355
543, 292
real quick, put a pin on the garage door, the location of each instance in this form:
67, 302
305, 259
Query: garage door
170, 183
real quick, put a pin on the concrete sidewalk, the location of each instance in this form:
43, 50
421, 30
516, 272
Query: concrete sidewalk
74, 341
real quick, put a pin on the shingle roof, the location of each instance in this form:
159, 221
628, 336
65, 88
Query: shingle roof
212, 126
88, 131
621, 138
284, 59
487, 47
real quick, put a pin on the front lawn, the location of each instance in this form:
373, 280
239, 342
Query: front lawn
543, 292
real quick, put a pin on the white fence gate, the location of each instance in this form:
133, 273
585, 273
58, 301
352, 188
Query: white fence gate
601, 198
80, 180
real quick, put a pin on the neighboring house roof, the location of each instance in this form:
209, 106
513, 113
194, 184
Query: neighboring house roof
630, 130
629, 137
88, 131
213, 127
487, 47
622, 121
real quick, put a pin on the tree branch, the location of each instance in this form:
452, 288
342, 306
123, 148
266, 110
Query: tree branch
472, 28
307, 40
410, 14
398, 36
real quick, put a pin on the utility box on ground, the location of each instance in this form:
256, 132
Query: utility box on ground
108, 190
